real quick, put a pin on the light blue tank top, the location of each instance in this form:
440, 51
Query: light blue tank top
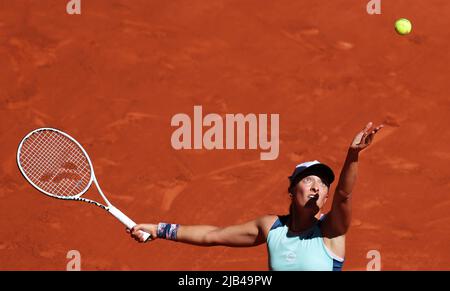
299, 252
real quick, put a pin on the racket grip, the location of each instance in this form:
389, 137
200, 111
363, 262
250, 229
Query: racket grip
126, 220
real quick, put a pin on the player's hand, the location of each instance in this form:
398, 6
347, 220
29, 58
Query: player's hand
364, 138
136, 231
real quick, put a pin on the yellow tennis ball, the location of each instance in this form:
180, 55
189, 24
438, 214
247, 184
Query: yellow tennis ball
403, 26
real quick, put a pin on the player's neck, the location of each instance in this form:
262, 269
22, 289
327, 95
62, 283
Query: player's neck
302, 220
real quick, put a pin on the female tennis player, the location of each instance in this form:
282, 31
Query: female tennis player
305, 239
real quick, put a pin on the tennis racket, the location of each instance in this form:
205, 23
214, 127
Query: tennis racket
57, 165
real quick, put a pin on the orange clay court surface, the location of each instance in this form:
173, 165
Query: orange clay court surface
114, 76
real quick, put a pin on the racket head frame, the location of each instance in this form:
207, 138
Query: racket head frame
91, 179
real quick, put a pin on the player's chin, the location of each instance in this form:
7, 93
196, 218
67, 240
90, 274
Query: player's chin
312, 205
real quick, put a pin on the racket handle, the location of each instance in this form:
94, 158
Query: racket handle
126, 220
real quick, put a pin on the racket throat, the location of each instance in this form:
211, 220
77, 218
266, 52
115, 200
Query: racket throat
121, 217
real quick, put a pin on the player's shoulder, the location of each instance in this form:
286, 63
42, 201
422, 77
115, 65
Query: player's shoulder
266, 221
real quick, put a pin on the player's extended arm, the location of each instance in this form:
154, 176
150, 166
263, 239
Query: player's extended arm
242, 235
339, 218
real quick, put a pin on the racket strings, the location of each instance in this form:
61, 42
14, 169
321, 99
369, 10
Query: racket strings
55, 164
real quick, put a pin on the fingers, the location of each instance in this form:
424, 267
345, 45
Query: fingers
365, 132
371, 135
136, 233
138, 237
136, 227
378, 128
367, 128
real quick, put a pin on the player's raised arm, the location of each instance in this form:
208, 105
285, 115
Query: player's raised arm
248, 234
339, 218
